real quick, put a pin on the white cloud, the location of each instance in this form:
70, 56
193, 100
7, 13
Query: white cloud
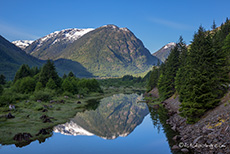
170, 24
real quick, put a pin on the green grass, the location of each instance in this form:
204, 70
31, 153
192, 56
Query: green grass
27, 118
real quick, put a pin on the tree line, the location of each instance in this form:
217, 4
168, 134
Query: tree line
199, 73
42, 82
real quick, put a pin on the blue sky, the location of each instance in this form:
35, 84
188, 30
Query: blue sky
156, 23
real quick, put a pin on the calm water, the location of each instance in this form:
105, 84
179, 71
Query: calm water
113, 125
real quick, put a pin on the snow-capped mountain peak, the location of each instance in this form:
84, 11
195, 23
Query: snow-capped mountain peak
22, 43
67, 35
172, 44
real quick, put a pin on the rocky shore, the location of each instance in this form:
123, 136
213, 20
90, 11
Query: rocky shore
210, 135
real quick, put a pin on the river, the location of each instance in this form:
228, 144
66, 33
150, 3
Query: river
119, 124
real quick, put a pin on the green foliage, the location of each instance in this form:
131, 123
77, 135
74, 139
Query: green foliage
67, 86
1, 89
25, 85
51, 84
64, 76
203, 86
24, 71
200, 75
38, 86
43, 95
48, 71
127, 78
166, 81
153, 78
71, 74
2, 79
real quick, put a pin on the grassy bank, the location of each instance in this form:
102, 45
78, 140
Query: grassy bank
28, 114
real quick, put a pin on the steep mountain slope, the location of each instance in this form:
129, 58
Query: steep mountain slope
110, 51
50, 45
22, 43
12, 57
164, 52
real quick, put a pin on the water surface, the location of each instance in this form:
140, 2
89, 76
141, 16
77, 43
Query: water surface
116, 124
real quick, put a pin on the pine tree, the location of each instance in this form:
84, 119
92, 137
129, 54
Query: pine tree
67, 86
182, 71
213, 25
51, 84
2, 79
71, 74
64, 76
153, 79
24, 71
48, 71
199, 94
1, 91
166, 84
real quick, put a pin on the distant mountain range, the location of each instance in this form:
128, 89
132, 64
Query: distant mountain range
164, 52
108, 51
13, 57
49, 46
22, 43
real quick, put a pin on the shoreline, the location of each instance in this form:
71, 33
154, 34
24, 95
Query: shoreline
211, 134
35, 120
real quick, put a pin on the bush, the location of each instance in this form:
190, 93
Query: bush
43, 95
25, 85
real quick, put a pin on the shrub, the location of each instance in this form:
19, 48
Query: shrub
43, 95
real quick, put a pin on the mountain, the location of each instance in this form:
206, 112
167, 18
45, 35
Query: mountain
22, 43
50, 45
110, 51
12, 57
105, 51
116, 116
164, 52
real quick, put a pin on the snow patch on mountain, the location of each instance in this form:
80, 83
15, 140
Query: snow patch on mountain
22, 43
71, 128
169, 45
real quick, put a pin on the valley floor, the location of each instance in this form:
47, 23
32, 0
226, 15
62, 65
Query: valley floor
211, 134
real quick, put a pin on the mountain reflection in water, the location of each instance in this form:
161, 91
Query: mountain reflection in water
115, 116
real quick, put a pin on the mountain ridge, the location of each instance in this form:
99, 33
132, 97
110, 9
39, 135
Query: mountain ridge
164, 52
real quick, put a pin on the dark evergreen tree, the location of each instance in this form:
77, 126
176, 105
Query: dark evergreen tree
51, 84
153, 79
200, 92
24, 71
64, 76
67, 86
213, 25
166, 84
2, 79
182, 72
71, 74
1, 90
48, 71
